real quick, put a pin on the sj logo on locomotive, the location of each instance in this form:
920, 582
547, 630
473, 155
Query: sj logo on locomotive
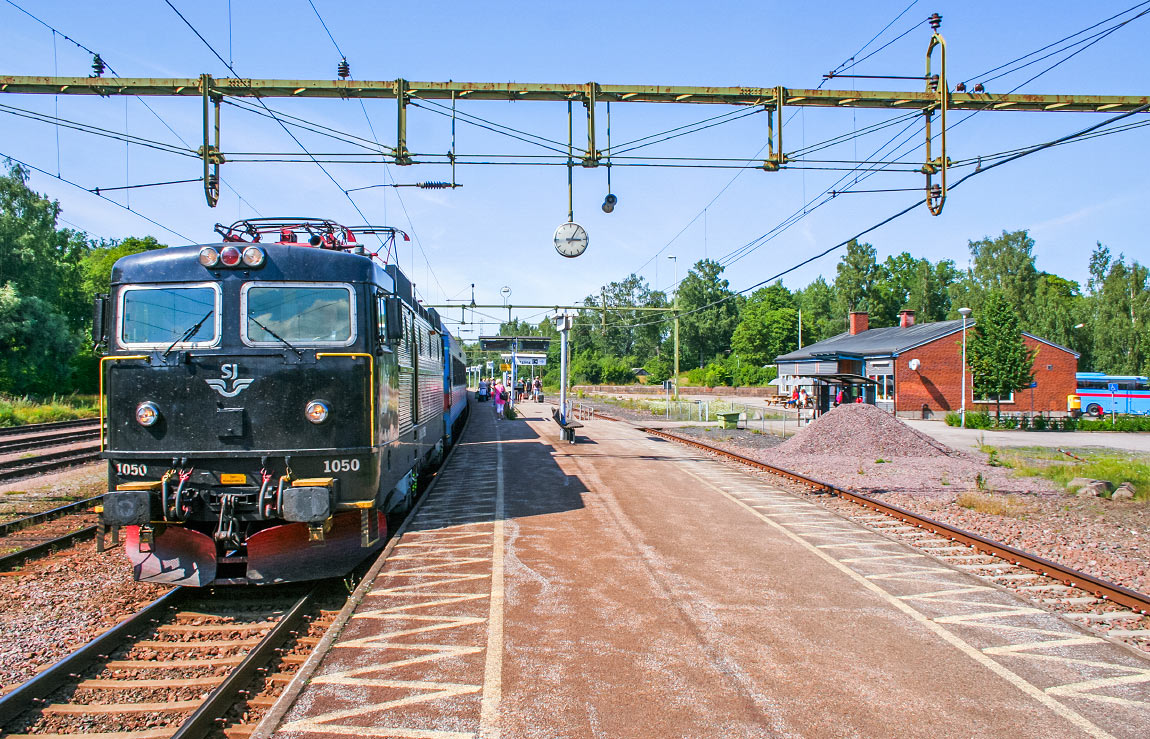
230, 372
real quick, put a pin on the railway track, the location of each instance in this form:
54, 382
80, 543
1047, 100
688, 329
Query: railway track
32, 428
64, 442
41, 533
1112, 609
13, 444
189, 665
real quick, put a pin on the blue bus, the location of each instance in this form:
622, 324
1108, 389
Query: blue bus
1102, 393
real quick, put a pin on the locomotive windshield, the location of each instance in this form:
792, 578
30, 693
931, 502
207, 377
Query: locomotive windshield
156, 317
298, 313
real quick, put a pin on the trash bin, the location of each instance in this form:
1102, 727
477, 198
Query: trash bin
730, 420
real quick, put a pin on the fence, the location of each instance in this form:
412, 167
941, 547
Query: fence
766, 420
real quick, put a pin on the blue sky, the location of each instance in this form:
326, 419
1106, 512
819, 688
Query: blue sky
496, 230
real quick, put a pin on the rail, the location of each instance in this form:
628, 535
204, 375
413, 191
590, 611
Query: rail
1134, 600
36, 690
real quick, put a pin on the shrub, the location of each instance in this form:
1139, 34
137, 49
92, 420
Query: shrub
24, 410
978, 420
953, 419
1121, 423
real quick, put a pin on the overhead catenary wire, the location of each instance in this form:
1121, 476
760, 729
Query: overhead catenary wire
67, 181
1027, 152
142, 101
758, 153
755, 244
276, 118
411, 224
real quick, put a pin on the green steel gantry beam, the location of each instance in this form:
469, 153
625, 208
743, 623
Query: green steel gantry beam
393, 89
936, 99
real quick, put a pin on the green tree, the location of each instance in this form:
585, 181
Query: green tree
622, 330
1000, 362
903, 282
1119, 314
96, 265
768, 326
1005, 265
817, 304
709, 312
855, 277
1058, 308
36, 344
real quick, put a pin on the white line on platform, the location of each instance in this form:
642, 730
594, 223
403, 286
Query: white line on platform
493, 671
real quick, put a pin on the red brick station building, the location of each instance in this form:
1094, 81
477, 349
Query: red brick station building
915, 370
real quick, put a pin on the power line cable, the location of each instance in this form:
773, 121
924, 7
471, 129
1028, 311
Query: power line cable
758, 153
276, 118
387, 169
102, 197
141, 100
1031, 150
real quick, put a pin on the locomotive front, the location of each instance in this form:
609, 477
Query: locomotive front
250, 406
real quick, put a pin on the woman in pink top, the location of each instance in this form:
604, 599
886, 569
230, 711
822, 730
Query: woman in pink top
500, 397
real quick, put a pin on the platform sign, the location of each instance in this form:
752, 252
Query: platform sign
505, 367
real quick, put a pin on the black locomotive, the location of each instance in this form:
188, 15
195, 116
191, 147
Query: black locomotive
268, 404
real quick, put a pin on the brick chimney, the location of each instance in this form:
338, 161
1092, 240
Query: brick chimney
905, 318
859, 321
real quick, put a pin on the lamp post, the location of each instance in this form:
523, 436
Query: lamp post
965, 315
675, 259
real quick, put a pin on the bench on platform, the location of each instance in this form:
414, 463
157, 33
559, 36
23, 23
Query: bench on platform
568, 427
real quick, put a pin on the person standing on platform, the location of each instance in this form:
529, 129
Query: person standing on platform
538, 393
499, 395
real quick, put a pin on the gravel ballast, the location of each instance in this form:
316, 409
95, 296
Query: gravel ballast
59, 603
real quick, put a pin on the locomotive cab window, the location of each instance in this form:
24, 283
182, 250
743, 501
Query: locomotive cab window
159, 316
302, 313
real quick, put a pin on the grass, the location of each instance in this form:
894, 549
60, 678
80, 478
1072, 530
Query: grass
995, 505
24, 410
1060, 468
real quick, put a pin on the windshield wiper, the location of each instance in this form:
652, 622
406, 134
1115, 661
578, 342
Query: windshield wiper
281, 339
189, 333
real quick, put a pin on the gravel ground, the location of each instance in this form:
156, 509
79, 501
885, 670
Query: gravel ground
1107, 539
59, 603
25, 497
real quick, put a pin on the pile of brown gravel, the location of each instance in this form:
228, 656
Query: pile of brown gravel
862, 430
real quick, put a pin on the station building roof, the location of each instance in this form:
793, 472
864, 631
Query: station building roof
887, 342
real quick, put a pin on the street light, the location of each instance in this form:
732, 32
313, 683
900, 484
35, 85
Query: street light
965, 315
675, 259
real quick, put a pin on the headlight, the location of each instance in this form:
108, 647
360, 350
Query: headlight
209, 256
230, 256
147, 413
253, 256
316, 411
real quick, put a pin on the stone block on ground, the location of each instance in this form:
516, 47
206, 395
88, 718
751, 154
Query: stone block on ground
1096, 489
1125, 491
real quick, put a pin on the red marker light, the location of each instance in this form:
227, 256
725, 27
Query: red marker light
230, 256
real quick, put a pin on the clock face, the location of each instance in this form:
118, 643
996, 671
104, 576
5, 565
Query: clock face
570, 239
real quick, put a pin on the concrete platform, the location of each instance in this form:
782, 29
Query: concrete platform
626, 586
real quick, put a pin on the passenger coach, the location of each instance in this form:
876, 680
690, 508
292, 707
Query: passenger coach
268, 403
